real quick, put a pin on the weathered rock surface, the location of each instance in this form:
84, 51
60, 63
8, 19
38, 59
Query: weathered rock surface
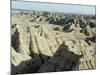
63, 60
49, 42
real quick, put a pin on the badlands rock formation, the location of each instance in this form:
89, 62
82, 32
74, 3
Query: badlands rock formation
51, 42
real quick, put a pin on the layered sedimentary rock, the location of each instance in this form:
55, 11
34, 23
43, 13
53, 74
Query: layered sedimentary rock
52, 42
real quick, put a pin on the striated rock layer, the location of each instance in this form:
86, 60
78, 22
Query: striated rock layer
51, 42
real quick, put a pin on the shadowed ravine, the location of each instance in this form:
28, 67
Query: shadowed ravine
63, 60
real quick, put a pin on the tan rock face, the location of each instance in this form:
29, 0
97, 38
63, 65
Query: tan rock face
38, 46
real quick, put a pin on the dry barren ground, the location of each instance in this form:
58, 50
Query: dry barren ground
51, 42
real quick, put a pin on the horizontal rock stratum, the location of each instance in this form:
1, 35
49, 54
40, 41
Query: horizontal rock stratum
51, 42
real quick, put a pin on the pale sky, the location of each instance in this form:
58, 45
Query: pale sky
66, 8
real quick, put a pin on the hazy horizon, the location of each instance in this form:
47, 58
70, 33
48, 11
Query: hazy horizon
52, 7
